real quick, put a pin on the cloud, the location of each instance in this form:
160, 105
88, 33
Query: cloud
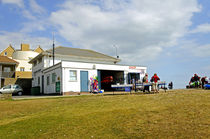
36, 8
201, 51
19, 3
203, 28
16, 38
139, 28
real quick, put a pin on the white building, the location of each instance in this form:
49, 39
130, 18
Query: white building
74, 67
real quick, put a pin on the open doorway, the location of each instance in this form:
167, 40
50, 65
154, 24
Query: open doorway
109, 77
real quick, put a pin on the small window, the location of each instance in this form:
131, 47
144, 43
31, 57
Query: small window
73, 75
16, 87
53, 77
22, 69
39, 60
35, 62
38, 80
7, 69
48, 80
5, 53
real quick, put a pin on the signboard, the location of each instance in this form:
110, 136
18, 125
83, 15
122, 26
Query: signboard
132, 67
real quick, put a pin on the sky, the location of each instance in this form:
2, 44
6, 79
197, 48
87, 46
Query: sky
169, 37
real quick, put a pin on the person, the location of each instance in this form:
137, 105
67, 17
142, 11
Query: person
204, 81
170, 85
145, 80
196, 80
155, 79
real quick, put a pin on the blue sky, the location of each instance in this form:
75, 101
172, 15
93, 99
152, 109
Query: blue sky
171, 38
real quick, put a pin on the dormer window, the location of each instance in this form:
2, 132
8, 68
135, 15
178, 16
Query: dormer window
5, 53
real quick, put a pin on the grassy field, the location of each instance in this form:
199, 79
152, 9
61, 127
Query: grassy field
174, 114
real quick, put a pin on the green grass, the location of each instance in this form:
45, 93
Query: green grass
175, 114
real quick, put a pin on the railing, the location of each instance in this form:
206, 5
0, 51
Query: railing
10, 74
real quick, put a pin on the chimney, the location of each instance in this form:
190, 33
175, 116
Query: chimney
25, 47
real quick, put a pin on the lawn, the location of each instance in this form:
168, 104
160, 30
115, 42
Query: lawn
174, 114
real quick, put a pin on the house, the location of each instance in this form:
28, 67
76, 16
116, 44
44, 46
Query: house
7, 70
73, 68
23, 70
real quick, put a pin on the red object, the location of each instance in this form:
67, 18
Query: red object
107, 79
155, 78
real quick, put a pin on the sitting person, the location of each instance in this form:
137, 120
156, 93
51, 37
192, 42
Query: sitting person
196, 80
204, 81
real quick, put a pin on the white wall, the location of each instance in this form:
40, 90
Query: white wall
25, 64
92, 71
74, 86
51, 88
23, 57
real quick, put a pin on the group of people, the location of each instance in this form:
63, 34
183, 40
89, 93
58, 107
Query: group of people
154, 80
197, 81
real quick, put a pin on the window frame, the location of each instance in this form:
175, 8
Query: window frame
70, 76
48, 79
53, 77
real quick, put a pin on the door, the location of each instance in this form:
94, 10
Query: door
42, 84
84, 81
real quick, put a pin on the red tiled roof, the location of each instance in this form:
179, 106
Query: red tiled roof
5, 60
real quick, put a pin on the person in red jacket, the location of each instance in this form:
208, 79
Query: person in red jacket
155, 80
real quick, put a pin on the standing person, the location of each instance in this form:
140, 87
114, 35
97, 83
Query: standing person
145, 80
170, 85
155, 79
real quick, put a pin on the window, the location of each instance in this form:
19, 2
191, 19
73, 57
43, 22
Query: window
53, 77
16, 87
22, 69
7, 69
38, 80
39, 60
7, 87
5, 53
35, 62
48, 80
73, 75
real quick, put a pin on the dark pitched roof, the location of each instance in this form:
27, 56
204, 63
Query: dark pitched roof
7, 60
81, 53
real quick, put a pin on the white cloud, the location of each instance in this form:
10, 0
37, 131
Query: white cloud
201, 51
139, 28
36, 8
19, 3
203, 28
